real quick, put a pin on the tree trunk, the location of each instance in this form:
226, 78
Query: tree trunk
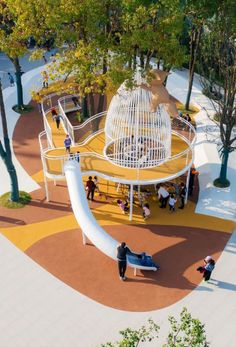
194, 44
6, 154
101, 103
85, 107
91, 105
224, 165
18, 73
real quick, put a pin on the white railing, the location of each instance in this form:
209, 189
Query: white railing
67, 125
68, 104
49, 102
92, 126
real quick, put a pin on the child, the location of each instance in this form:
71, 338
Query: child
95, 181
146, 211
67, 143
123, 206
172, 201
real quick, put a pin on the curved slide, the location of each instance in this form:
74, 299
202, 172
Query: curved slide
93, 231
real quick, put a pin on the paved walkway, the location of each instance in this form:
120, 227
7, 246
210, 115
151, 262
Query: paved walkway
53, 314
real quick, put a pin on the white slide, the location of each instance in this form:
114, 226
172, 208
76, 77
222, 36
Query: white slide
93, 231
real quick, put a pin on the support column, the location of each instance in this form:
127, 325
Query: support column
46, 187
84, 239
131, 197
187, 184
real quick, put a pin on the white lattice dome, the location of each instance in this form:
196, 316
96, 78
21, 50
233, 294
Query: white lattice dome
135, 136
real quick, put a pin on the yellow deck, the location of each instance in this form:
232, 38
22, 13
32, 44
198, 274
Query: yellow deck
103, 166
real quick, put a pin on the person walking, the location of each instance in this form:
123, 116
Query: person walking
182, 195
122, 251
172, 201
67, 143
163, 196
58, 118
90, 187
45, 78
11, 79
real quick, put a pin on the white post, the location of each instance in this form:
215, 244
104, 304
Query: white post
118, 187
187, 184
84, 239
46, 187
131, 202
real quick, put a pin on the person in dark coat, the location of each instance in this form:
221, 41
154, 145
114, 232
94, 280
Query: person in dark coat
192, 175
182, 195
90, 187
122, 252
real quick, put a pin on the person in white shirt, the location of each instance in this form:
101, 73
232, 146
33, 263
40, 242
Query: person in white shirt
163, 196
172, 201
146, 211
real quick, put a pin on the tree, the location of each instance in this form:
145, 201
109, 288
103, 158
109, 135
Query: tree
6, 153
12, 43
196, 15
188, 332
107, 40
218, 67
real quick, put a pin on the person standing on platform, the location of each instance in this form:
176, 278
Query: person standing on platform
172, 201
182, 195
163, 196
90, 187
122, 251
67, 143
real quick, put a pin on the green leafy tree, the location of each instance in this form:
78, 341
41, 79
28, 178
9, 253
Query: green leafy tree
6, 152
185, 332
106, 40
12, 43
188, 332
218, 67
133, 337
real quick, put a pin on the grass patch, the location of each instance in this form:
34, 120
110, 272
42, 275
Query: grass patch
217, 183
24, 109
192, 109
5, 201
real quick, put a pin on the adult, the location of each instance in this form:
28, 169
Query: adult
58, 121
122, 251
67, 143
11, 79
207, 268
75, 101
163, 196
182, 195
192, 175
90, 187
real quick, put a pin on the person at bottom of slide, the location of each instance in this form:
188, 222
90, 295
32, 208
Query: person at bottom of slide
122, 251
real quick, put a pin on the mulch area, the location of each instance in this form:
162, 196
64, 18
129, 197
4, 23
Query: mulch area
178, 250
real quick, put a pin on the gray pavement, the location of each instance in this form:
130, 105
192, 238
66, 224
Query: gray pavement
27, 65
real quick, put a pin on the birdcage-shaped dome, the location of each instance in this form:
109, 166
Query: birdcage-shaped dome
135, 136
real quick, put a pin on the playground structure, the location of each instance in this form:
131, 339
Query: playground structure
145, 157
